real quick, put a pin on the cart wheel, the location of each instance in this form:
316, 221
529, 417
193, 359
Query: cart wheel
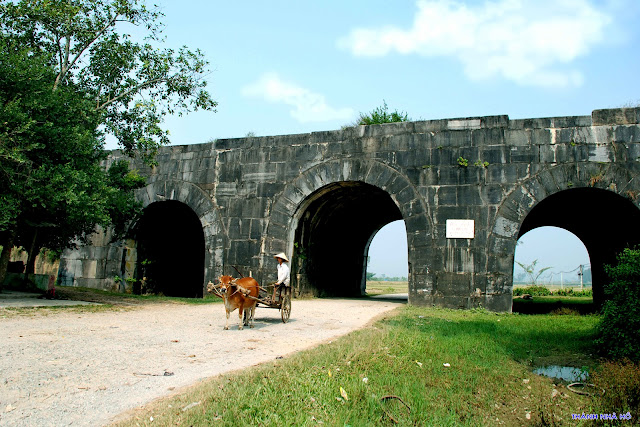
285, 308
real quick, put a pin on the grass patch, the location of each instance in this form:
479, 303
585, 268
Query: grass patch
10, 312
621, 382
383, 288
349, 381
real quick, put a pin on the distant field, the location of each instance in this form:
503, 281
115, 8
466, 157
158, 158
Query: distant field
382, 288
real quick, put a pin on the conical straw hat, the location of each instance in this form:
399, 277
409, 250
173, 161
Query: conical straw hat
282, 256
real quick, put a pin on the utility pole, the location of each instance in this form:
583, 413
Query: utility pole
581, 275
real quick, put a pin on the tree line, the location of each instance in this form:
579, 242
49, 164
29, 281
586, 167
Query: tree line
373, 277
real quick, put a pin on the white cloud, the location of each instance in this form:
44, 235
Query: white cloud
531, 42
307, 106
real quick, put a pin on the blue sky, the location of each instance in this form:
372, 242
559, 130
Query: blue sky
283, 67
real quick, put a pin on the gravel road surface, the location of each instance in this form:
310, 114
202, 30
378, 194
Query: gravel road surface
84, 368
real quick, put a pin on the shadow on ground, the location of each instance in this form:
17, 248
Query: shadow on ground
538, 306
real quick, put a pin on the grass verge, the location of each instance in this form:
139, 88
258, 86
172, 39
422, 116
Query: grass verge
418, 366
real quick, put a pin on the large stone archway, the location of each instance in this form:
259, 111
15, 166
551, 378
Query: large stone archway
170, 250
335, 225
328, 194
203, 209
597, 203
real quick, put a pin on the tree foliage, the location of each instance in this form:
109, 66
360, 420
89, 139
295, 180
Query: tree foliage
132, 84
70, 74
381, 115
619, 329
52, 186
373, 277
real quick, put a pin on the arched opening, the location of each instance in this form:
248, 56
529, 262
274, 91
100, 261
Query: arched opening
170, 244
387, 266
604, 221
558, 252
335, 227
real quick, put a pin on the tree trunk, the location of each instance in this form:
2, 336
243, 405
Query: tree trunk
7, 244
33, 252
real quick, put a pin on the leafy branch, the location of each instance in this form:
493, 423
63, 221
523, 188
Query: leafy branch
532, 272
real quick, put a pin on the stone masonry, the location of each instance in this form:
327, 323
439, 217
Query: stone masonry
320, 197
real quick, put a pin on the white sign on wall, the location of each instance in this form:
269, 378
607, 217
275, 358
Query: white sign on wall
460, 229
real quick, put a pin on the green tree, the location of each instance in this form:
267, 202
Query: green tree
68, 77
52, 186
532, 272
619, 328
381, 115
132, 85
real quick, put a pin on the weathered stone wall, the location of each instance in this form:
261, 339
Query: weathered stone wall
252, 194
95, 265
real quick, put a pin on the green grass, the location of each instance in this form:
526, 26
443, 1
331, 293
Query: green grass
489, 379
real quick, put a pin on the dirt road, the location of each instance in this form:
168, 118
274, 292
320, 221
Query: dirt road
83, 369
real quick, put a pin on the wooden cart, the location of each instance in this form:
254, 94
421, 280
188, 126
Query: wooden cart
282, 301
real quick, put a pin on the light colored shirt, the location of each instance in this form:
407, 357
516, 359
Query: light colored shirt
283, 274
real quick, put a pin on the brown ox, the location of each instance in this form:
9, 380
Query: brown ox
236, 293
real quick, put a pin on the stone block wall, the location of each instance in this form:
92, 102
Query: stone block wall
95, 265
251, 194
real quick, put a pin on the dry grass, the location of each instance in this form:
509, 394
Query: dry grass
383, 288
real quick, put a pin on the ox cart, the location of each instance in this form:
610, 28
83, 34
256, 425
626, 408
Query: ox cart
233, 292
282, 301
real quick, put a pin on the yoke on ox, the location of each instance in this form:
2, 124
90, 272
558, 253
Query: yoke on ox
238, 293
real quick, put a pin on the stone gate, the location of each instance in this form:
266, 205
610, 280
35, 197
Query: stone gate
465, 188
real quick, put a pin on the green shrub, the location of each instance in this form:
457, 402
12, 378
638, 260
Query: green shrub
571, 293
619, 328
381, 115
535, 291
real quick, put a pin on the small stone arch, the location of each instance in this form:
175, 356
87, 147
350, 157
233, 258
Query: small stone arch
289, 206
202, 205
509, 221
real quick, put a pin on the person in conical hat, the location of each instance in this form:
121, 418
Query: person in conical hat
283, 272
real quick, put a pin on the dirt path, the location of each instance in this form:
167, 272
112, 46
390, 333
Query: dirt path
83, 369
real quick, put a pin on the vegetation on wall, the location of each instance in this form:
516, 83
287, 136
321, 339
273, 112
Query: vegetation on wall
381, 115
